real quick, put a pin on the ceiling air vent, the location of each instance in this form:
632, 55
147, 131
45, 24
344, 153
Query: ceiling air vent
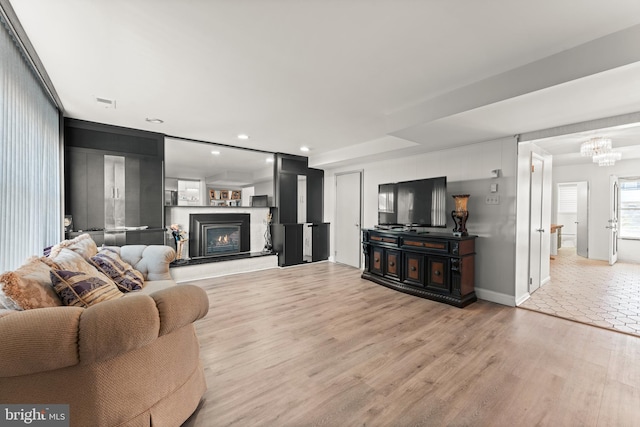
106, 103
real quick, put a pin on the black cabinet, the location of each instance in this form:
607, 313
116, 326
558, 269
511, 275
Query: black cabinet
319, 241
84, 188
288, 242
288, 233
88, 147
434, 266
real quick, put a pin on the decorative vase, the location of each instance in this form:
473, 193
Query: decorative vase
268, 245
460, 215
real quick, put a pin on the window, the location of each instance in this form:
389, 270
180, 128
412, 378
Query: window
30, 196
567, 198
629, 220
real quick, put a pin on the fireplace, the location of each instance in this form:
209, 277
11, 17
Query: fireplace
213, 235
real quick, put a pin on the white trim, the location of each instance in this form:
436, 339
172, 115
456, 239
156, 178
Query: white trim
545, 281
497, 297
522, 299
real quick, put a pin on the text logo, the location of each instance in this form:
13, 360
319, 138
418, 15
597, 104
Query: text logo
34, 415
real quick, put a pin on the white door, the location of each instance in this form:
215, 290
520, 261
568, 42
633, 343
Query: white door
537, 233
348, 219
614, 191
582, 219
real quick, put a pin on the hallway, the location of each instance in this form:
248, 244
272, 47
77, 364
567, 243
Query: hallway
591, 292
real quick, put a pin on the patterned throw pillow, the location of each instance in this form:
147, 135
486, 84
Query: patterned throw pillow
29, 286
82, 245
125, 277
79, 289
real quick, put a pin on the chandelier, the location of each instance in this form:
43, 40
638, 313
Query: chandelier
607, 159
594, 146
599, 149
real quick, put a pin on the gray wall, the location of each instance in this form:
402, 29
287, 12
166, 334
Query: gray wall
468, 171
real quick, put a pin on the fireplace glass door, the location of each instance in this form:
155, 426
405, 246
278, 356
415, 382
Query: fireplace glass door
221, 239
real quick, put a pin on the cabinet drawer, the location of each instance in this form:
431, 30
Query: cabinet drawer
392, 264
380, 238
427, 244
438, 274
413, 269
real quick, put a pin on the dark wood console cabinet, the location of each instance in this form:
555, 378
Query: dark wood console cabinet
439, 267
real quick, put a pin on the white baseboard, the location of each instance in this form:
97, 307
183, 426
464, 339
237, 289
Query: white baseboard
523, 298
496, 297
545, 281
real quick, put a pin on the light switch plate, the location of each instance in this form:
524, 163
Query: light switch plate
492, 199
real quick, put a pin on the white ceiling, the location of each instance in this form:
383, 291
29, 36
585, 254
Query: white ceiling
337, 74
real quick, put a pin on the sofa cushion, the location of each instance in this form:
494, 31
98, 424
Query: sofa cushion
28, 287
151, 286
79, 289
152, 261
125, 277
82, 245
66, 259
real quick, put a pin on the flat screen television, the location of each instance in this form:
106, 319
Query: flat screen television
418, 203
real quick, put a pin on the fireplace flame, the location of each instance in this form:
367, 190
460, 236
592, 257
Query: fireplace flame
223, 240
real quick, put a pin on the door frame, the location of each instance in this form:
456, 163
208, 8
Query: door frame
532, 287
360, 173
614, 217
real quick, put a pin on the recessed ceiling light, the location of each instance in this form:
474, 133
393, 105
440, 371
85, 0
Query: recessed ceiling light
215, 152
243, 136
305, 149
269, 160
156, 121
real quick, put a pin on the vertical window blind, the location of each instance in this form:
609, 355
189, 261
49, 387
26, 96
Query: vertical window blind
30, 194
567, 198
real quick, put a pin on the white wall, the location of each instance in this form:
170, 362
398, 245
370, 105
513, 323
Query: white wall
265, 187
598, 178
468, 170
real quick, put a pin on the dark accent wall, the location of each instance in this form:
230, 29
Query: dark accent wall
288, 234
86, 144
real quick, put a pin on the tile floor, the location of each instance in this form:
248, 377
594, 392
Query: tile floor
591, 292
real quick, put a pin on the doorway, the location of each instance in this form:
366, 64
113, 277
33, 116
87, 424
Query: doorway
572, 216
348, 218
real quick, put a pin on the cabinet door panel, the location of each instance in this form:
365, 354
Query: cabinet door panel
377, 255
437, 273
414, 269
392, 264
320, 242
288, 198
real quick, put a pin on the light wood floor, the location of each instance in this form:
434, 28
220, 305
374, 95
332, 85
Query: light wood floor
315, 345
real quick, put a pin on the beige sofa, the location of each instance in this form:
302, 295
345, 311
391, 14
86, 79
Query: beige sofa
129, 361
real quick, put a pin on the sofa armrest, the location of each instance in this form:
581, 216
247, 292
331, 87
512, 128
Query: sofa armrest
114, 327
179, 306
39, 340
150, 260
46, 339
